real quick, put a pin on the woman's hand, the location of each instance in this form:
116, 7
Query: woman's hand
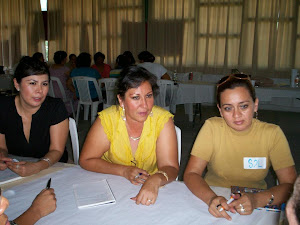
148, 193
44, 203
23, 168
218, 207
135, 175
244, 204
3, 161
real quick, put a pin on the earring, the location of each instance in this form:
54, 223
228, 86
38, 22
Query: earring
151, 114
123, 114
256, 115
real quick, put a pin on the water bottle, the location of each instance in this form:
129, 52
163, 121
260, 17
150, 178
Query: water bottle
175, 77
297, 78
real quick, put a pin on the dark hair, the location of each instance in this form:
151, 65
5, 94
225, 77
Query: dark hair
233, 83
97, 55
130, 57
29, 66
122, 62
295, 199
146, 56
37, 55
59, 56
71, 55
83, 60
133, 77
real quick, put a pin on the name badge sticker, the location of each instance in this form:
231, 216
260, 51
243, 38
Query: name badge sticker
255, 163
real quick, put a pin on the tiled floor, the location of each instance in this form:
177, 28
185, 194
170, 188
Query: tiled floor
288, 121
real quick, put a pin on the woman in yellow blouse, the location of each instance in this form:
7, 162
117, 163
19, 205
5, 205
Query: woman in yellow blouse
135, 139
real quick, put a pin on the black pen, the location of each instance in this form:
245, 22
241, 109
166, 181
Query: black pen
48, 184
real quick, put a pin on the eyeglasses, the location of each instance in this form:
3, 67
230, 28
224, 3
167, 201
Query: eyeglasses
233, 76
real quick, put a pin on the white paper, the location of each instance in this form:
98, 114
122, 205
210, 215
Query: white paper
93, 194
8, 176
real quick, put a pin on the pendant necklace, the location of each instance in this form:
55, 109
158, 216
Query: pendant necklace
135, 138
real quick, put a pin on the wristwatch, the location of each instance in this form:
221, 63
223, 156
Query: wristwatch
271, 200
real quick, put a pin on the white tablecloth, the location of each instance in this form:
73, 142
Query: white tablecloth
175, 203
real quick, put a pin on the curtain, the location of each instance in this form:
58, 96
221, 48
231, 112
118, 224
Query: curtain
108, 26
258, 37
21, 30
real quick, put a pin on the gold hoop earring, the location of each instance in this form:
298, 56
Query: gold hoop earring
123, 114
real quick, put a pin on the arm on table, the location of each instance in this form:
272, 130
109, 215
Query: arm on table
198, 186
95, 145
58, 139
167, 161
3, 152
42, 205
281, 192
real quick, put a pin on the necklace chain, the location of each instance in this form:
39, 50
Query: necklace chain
135, 138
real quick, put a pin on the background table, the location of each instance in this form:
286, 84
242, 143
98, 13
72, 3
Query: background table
175, 203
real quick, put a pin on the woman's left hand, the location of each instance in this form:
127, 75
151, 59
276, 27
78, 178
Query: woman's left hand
148, 193
23, 168
244, 204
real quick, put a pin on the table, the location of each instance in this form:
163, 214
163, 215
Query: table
175, 203
273, 98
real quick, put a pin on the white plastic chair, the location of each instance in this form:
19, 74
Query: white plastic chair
81, 84
111, 91
164, 98
74, 139
62, 91
178, 135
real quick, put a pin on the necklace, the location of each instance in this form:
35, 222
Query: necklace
135, 138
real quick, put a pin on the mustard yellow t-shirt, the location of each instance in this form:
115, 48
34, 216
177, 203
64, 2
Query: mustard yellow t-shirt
224, 149
120, 149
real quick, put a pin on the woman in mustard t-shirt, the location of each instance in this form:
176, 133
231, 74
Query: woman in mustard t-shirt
238, 150
135, 139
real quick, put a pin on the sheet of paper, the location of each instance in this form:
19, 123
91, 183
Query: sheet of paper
93, 194
8, 176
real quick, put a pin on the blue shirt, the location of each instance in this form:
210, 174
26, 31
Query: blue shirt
87, 72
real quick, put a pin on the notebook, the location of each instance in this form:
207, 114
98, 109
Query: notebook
93, 194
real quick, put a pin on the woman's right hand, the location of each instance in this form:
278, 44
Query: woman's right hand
44, 203
3, 160
215, 205
135, 175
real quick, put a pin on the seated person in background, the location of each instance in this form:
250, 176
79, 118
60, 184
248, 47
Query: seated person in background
72, 62
121, 63
135, 139
129, 55
62, 72
293, 205
83, 64
147, 62
230, 145
32, 124
42, 205
39, 56
100, 66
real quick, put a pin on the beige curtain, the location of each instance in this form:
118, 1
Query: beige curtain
258, 37
108, 26
195, 34
21, 30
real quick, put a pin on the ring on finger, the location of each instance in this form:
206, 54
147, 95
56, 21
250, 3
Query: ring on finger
149, 200
17, 166
217, 207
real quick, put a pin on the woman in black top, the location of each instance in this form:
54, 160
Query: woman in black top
31, 123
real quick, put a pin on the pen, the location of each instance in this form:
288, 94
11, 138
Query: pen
48, 184
228, 202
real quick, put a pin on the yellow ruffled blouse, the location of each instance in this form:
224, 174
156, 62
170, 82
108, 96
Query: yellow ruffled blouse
120, 149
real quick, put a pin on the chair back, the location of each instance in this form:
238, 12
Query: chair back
74, 139
51, 91
178, 135
164, 98
81, 84
110, 90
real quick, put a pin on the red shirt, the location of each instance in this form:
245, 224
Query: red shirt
105, 72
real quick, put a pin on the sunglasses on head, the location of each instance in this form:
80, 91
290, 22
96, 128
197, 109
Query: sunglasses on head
233, 76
